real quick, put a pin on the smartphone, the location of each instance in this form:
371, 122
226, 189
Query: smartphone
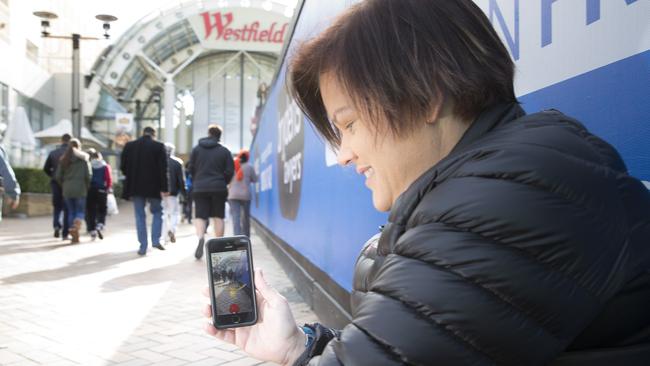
232, 290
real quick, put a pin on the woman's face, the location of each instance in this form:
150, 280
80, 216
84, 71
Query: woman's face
390, 164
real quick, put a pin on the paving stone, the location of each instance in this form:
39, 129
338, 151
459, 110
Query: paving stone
8, 357
242, 362
148, 355
100, 304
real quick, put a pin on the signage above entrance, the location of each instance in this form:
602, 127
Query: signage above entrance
246, 29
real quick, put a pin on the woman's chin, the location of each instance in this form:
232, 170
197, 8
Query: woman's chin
381, 204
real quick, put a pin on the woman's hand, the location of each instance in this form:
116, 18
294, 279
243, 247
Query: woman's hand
275, 337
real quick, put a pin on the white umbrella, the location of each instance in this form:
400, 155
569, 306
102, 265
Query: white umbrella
19, 139
53, 134
19, 132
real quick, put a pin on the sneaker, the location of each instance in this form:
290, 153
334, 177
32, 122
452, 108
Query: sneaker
142, 253
158, 246
93, 235
99, 234
172, 237
57, 233
199, 249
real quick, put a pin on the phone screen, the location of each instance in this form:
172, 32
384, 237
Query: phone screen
231, 281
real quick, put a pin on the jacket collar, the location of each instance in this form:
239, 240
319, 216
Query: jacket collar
406, 203
488, 120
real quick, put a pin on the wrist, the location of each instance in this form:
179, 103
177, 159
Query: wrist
297, 347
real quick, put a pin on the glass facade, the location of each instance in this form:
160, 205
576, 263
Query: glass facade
40, 116
4, 104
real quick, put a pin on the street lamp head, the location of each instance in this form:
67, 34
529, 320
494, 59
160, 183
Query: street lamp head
107, 19
45, 16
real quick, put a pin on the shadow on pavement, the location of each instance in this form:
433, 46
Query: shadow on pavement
94, 264
28, 246
182, 271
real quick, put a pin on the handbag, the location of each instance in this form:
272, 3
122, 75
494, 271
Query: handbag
111, 205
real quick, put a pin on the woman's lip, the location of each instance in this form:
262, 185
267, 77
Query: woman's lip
362, 170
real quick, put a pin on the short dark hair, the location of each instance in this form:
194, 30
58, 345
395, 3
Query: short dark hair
243, 156
66, 138
397, 59
214, 130
149, 131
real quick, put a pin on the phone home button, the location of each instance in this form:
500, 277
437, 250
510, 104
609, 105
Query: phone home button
235, 319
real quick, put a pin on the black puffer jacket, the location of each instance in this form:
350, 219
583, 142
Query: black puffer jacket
528, 245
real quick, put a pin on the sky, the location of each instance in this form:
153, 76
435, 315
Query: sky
129, 12
79, 16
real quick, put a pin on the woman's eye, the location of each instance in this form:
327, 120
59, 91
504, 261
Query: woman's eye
350, 125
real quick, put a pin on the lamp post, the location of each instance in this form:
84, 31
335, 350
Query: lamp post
75, 110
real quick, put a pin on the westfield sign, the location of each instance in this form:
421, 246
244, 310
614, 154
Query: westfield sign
241, 29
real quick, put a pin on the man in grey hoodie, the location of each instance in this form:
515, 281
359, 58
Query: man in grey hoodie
212, 168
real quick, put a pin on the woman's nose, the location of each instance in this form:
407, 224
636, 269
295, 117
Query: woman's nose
345, 155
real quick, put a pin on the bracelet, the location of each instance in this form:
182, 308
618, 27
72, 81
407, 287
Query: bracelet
309, 333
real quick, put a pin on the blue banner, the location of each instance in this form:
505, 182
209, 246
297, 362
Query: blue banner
589, 59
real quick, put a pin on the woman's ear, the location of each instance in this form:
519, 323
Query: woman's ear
437, 109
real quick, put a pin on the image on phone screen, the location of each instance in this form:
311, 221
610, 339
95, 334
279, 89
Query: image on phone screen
231, 279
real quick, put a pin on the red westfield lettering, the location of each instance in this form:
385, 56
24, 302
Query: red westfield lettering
248, 33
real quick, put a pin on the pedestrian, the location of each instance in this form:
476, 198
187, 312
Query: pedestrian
187, 197
58, 205
101, 184
512, 239
9, 186
171, 204
212, 167
144, 165
239, 194
73, 175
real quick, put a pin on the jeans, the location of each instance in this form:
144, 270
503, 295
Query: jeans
59, 207
155, 208
171, 213
187, 206
76, 209
241, 212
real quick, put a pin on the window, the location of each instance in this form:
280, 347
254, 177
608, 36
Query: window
39, 115
31, 51
4, 105
4, 20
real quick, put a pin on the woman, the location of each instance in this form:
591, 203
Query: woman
239, 194
101, 184
512, 239
73, 174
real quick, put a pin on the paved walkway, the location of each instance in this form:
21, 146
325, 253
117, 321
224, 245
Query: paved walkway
99, 303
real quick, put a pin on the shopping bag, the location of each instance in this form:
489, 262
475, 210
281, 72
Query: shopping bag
111, 205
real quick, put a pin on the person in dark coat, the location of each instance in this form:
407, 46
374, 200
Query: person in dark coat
512, 239
59, 207
171, 203
101, 184
73, 174
144, 164
212, 168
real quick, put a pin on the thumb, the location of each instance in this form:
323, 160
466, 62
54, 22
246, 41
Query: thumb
268, 292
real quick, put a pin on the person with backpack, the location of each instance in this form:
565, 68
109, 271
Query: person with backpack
101, 184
